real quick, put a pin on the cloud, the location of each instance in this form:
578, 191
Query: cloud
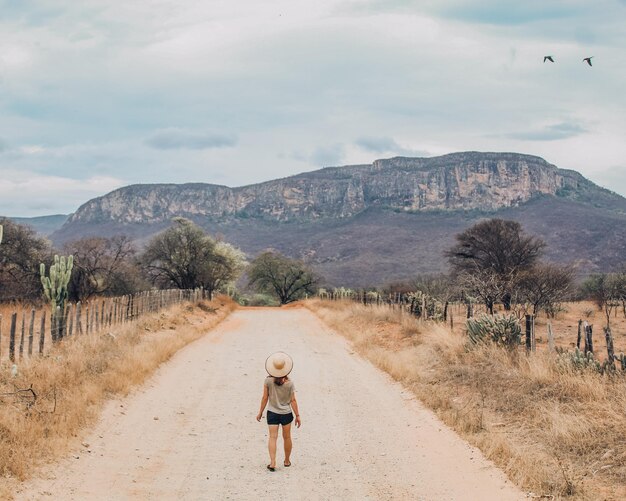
382, 145
177, 139
325, 156
554, 132
480, 11
613, 178
37, 194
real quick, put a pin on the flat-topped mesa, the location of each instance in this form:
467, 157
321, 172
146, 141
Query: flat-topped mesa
459, 181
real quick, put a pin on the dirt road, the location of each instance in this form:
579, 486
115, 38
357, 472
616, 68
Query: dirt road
191, 433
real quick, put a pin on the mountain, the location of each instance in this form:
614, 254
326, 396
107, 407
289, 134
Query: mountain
368, 224
44, 225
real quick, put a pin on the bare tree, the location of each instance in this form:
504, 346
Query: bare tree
607, 290
289, 279
546, 285
438, 286
102, 266
20, 255
486, 285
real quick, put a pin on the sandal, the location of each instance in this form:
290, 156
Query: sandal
287, 465
271, 468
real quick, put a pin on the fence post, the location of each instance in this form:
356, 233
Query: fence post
31, 332
550, 337
42, 332
580, 333
79, 323
588, 338
530, 327
22, 335
609, 346
70, 315
12, 337
58, 322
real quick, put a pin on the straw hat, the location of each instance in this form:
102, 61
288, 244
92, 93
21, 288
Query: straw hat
278, 364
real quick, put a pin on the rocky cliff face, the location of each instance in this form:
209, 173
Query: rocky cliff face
482, 181
365, 225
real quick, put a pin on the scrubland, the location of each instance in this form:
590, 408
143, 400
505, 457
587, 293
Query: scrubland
557, 432
71, 382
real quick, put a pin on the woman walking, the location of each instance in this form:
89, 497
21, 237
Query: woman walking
279, 392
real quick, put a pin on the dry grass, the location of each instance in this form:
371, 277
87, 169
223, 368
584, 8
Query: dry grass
75, 378
555, 432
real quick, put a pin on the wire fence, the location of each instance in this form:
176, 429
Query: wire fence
25, 332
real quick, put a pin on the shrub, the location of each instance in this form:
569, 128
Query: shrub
504, 330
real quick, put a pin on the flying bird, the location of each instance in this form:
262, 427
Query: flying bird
588, 60
548, 58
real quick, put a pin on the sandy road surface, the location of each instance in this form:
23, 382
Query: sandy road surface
190, 433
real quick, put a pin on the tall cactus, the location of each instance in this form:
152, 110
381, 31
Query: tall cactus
55, 290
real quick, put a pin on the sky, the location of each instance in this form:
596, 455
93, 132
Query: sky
99, 94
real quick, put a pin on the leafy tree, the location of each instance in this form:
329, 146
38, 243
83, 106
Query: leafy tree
103, 266
20, 255
289, 279
225, 268
499, 250
184, 256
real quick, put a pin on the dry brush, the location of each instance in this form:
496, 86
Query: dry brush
555, 430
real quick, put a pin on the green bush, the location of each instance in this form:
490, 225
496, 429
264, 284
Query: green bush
257, 300
504, 330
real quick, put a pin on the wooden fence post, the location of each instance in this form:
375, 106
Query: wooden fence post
530, 334
70, 315
42, 332
31, 332
79, 321
580, 333
12, 337
609, 346
59, 323
22, 335
588, 338
550, 338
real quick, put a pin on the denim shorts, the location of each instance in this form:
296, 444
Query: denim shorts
284, 419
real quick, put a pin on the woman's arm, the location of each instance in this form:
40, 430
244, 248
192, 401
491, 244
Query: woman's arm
264, 400
294, 406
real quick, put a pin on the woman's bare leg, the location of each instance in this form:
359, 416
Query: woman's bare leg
288, 444
271, 444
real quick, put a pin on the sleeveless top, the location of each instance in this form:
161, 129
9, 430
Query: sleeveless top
279, 400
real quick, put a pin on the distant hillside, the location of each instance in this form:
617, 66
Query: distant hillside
367, 224
44, 225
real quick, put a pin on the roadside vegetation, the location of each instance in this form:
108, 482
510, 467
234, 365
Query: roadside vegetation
47, 401
555, 429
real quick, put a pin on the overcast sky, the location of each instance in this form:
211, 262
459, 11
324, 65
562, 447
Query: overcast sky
99, 94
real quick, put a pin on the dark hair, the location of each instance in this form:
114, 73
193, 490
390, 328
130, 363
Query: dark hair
280, 380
